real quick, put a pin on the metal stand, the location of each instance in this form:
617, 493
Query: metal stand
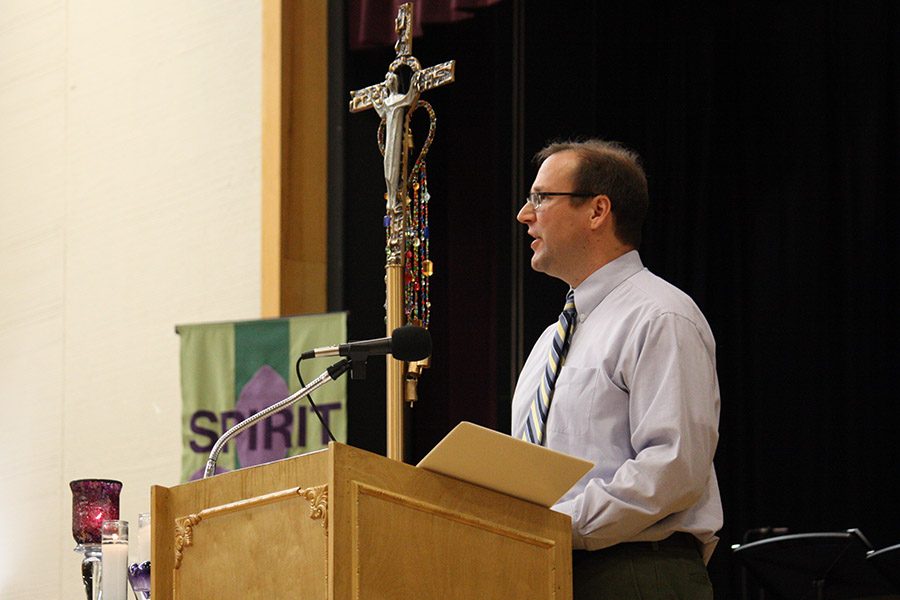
824, 566
887, 561
392, 99
90, 569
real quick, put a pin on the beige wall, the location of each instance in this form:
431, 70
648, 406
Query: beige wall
129, 202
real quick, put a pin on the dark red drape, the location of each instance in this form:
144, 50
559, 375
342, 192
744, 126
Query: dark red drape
372, 21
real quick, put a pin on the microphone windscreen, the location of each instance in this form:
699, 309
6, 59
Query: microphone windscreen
410, 343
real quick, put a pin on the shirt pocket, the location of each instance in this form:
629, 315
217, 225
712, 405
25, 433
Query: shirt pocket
574, 398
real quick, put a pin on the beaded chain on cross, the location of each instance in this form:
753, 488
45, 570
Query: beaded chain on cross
418, 267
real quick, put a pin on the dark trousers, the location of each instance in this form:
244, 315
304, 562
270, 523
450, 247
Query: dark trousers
672, 569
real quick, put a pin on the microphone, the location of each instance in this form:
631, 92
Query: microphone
408, 343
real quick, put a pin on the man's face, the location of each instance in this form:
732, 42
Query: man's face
559, 228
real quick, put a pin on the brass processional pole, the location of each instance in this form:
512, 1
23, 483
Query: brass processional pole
407, 267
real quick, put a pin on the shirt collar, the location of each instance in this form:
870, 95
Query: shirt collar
591, 292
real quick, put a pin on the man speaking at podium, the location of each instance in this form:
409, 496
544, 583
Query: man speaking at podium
626, 379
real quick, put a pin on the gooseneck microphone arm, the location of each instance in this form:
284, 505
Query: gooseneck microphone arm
330, 374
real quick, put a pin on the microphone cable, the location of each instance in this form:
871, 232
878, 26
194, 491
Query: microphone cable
311, 403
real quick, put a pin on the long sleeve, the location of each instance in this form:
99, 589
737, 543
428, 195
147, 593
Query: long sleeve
673, 413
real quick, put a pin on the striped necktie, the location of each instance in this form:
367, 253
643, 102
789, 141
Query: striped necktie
536, 421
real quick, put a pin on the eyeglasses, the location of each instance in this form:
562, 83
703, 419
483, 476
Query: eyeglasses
536, 199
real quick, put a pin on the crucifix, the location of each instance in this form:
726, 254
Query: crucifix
394, 105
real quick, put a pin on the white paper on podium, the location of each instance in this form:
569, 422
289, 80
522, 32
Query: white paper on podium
504, 464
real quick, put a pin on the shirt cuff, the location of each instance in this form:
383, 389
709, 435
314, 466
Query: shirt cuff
567, 508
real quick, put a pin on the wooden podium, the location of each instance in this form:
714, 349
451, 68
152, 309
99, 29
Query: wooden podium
344, 524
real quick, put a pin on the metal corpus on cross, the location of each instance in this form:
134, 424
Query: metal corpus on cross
395, 105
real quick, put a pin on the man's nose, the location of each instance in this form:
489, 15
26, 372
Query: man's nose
526, 213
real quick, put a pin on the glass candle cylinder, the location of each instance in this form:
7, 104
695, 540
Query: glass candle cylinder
142, 553
114, 572
139, 570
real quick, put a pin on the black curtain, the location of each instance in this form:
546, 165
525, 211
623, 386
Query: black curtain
771, 137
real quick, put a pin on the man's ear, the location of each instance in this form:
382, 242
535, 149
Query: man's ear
601, 211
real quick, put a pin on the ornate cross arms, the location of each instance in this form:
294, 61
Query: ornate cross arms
422, 79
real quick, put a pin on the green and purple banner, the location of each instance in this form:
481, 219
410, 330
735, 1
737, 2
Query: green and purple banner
230, 371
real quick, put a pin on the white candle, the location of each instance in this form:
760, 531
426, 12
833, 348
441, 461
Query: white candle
114, 573
114, 560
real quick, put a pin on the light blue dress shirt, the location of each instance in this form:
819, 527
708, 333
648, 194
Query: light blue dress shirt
638, 396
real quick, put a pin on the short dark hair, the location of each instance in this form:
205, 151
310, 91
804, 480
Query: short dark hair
611, 169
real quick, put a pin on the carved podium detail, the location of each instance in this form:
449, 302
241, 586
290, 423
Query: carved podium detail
318, 503
184, 526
